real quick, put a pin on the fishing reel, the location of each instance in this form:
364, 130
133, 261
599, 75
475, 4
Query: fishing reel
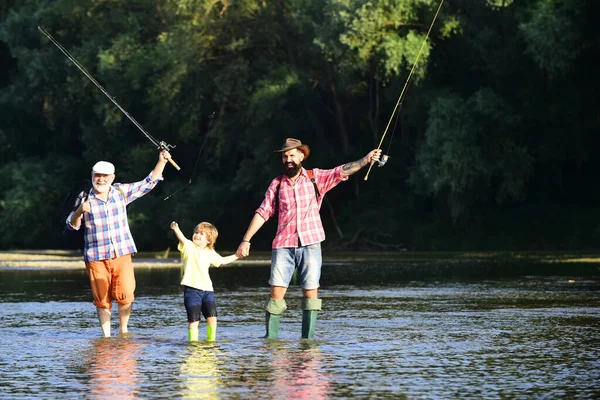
165, 146
382, 160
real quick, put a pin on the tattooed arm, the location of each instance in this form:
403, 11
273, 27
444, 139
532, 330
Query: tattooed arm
354, 166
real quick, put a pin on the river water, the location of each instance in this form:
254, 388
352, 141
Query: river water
523, 337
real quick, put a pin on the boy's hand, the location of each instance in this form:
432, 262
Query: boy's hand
174, 225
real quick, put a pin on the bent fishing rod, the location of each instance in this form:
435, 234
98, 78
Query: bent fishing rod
160, 145
402, 95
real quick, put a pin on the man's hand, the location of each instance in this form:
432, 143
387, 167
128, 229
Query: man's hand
85, 205
373, 156
354, 166
164, 156
243, 250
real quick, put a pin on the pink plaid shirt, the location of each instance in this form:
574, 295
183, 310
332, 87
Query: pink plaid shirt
106, 227
299, 221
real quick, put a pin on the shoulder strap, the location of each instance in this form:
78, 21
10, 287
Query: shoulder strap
276, 207
311, 175
121, 191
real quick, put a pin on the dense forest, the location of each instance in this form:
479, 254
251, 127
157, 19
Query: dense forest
494, 146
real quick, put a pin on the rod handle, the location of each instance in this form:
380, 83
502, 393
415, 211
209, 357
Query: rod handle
173, 163
370, 166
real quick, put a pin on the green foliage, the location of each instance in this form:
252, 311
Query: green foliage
469, 152
553, 33
383, 35
30, 190
501, 111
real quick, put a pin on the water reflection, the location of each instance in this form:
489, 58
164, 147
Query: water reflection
298, 373
200, 372
113, 367
532, 337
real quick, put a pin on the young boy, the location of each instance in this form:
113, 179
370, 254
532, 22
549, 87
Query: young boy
197, 256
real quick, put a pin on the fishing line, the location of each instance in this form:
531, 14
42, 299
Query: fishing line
397, 117
402, 94
211, 117
160, 145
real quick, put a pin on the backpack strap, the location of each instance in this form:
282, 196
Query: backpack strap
311, 175
276, 207
120, 190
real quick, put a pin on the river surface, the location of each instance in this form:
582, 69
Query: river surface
526, 337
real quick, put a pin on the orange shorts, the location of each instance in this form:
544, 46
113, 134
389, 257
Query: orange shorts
112, 280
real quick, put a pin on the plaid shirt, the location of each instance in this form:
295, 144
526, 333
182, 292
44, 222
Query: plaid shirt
107, 232
299, 221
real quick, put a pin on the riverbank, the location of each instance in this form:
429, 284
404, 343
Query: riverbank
481, 263
66, 259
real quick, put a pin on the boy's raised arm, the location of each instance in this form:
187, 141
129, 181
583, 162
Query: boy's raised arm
180, 236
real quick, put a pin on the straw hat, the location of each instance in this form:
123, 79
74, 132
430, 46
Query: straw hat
291, 143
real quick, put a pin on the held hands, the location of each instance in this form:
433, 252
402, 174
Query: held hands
243, 249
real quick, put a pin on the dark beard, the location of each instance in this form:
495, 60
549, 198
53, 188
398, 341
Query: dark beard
290, 172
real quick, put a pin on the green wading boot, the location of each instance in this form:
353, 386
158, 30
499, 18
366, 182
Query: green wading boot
274, 309
211, 333
310, 309
192, 335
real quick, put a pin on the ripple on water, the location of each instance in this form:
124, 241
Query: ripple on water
418, 340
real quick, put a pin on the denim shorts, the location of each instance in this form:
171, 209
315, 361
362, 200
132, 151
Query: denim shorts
307, 259
199, 301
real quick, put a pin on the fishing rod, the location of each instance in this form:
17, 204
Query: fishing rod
385, 158
211, 117
160, 145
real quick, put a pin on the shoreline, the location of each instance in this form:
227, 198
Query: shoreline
66, 259
557, 261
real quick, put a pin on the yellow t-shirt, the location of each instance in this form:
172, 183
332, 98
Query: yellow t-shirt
195, 264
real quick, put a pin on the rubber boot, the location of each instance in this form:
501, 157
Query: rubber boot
211, 333
272, 322
193, 334
310, 309
274, 309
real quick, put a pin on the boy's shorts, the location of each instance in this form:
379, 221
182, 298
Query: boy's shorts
199, 301
110, 280
307, 259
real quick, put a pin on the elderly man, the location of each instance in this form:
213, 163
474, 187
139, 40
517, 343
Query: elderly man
109, 245
296, 197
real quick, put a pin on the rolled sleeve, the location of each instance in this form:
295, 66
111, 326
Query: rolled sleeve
267, 207
134, 191
327, 179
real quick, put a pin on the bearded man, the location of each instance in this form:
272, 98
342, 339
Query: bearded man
296, 198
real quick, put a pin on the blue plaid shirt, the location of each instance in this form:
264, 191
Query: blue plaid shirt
107, 233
